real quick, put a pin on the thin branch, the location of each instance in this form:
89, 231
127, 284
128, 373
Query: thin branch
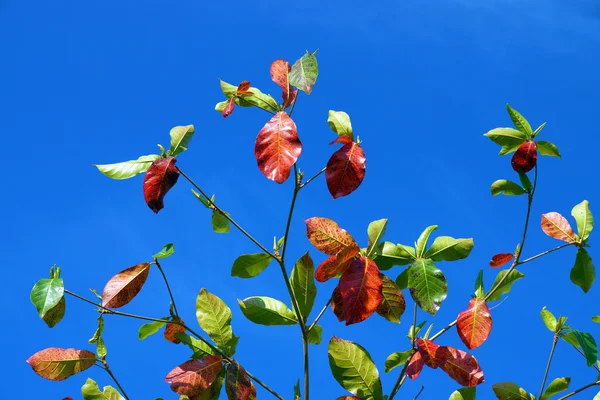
595, 365
420, 391
446, 328
320, 314
554, 341
402, 376
562, 246
226, 215
167, 284
306, 365
291, 213
581, 389
114, 378
309, 180
294, 103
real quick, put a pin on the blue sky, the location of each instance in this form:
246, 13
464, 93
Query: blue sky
99, 82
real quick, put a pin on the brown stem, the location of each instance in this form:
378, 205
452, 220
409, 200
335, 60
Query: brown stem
167, 284
554, 341
114, 378
581, 389
320, 314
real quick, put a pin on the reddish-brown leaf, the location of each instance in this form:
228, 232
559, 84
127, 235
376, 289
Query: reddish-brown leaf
57, 364
243, 87
348, 398
124, 286
500, 259
525, 157
238, 385
461, 366
345, 170
68, 398
556, 226
342, 140
360, 287
194, 376
415, 366
277, 147
393, 304
337, 304
335, 265
228, 108
474, 325
280, 75
171, 332
429, 352
159, 179
327, 236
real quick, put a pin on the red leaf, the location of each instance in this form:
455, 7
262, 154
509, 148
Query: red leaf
277, 147
124, 286
327, 236
280, 75
348, 398
345, 170
415, 366
525, 157
243, 87
194, 376
68, 398
337, 304
335, 265
474, 325
429, 353
556, 226
360, 287
228, 108
58, 364
342, 140
238, 385
171, 332
461, 366
160, 178
500, 259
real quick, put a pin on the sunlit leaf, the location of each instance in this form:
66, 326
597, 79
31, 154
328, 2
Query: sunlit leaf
547, 148
460, 366
280, 70
250, 265
429, 352
474, 324
252, 98
46, 294
423, 239
220, 223
520, 122
124, 286
415, 366
161, 176
345, 170
392, 305
585, 221
339, 122
127, 169
303, 284
172, 330
463, 394
549, 319
181, 136
583, 272
267, 311
57, 364
556, 226
315, 336
149, 329
396, 359
510, 391
336, 265
510, 139
91, 391
304, 73
166, 251
375, 231
214, 317
390, 254
361, 287
506, 285
194, 376
556, 386
327, 236
446, 248
500, 259
428, 286
507, 188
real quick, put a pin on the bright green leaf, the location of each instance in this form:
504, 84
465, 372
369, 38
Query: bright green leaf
583, 272
199, 348
304, 72
506, 285
214, 317
547, 148
422, 241
466, 393
149, 329
510, 139
220, 223
585, 221
202, 198
596, 318
549, 319
315, 336
396, 359
588, 346
525, 181
253, 98
181, 136
127, 169
520, 122
339, 122
446, 248
556, 386
390, 254
250, 265
302, 280
46, 294
375, 231
510, 391
166, 251
413, 331
479, 290
267, 311
91, 391
428, 286
507, 188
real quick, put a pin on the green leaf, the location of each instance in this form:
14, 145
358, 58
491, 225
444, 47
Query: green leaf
507, 188
250, 265
101, 348
583, 272
297, 395
166, 251
428, 286
547, 148
302, 281
422, 241
396, 359
510, 391
466, 393
127, 169
56, 313
390, 254
220, 223
354, 369
315, 336
402, 280
91, 391
549, 319
375, 231
510, 139
520, 122
413, 331
150, 329
99, 331
588, 346
506, 285
339, 122
446, 248
392, 305
267, 311
46, 294
596, 318
525, 181
585, 221
255, 99
181, 136
479, 290
214, 317
538, 130
304, 73
556, 386
203, 199
199, 348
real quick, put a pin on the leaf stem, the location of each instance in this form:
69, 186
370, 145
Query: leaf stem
309, 180
554, 341
167, 284
320, 314
114, 378
562, 246
402, 376
226, 215
581, 389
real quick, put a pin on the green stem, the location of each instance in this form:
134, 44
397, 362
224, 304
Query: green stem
581, 389
309, 180
562, 246
167, 284
320, 314
114, 378
402, 376
554, 341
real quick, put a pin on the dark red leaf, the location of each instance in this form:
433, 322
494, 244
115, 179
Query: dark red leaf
337, 304
500, 259
415, 366
238, 385
348, 398
342, 140
58, 364
277, 147
228, 108
124, 286
360, 287
345, 170
280, 75
327, 236
525, 157
474, 325
335, 265
429, 352
243, 87
159, 179
171, 332
461, 366
68, 398
194, 376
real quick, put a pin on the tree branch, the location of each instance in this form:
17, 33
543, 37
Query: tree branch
581, 389
309, 180
114, 378
167, 284
554, 341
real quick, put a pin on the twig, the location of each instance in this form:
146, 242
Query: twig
581, 389
320, 314
420, 391
114, 378
309, 180
167, 284
402, 376
562, 246
554, 341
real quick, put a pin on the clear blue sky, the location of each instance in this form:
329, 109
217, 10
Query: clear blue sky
88, 82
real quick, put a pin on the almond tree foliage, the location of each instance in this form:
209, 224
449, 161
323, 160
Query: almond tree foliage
375, 277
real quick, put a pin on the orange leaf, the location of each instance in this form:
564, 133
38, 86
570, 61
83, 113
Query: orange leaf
348, 398
327, 236
335, 265
429, 353
124, 286
345, 170
277, 147
243, 87
171, 332
280, 75
360, 287
238, 385
556, 226
461, 366
194, 376
474, 325
58, 364
415, 366
500, 259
